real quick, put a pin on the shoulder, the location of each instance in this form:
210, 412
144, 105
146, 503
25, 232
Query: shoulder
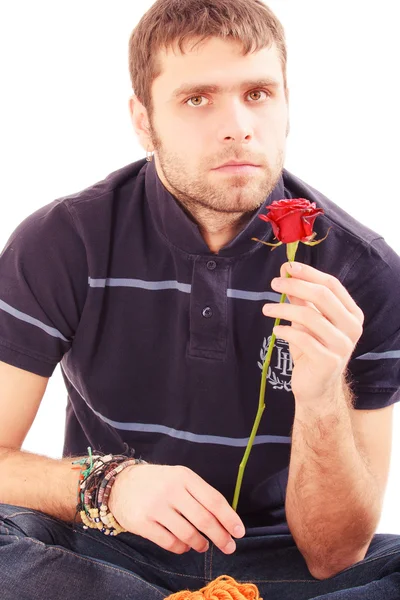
126, 182
351, 246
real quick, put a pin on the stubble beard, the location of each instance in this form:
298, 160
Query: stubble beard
214, 199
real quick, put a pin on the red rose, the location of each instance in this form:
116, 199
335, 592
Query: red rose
292, 219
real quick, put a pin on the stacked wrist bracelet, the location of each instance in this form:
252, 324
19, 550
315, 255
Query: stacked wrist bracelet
97, 476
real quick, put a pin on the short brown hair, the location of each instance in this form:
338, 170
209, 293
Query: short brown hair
178, 21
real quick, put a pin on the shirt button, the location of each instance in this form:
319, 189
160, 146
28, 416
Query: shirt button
211, 265
207, 312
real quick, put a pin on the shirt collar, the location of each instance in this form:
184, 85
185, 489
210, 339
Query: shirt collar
172, 221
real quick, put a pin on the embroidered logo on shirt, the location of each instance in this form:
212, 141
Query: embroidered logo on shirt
281, 361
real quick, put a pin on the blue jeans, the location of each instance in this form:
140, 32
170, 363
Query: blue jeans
42, 557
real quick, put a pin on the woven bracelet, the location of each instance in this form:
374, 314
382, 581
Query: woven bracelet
96, 479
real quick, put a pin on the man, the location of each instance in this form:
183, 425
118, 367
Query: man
149, 290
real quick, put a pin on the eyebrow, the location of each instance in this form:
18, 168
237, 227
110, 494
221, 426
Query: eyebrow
197, 88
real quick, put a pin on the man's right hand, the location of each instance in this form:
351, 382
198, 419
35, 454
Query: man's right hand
172, 506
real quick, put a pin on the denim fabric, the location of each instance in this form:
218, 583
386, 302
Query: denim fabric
42, 557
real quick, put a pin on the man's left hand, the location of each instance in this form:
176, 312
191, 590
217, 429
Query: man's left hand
326, 326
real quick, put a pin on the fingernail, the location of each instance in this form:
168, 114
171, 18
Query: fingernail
230, 547
276, 283
239, 531
295, 267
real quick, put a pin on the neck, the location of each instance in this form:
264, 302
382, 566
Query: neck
218, 229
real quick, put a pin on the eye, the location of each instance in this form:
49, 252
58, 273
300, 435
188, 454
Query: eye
260, 92
194, 98
199, 97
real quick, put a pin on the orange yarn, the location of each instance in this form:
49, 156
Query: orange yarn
222, 588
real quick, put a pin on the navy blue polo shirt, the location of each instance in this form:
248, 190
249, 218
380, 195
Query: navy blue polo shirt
161, 342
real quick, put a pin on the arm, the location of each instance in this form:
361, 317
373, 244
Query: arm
169, 505
340, 455
38, 482
27, 479
337, 476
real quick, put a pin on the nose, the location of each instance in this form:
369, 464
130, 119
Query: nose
234, 123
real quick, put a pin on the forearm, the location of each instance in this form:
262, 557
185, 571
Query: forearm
39, 482
332, 500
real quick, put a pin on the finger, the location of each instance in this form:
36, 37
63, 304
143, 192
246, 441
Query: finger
328, 335
299, 302
294, 300
322, 361
216, 504
205, 522
157, 533
183, 530
312, 275
327, 304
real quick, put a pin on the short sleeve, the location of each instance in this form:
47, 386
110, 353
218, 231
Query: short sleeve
43, 287
374, 284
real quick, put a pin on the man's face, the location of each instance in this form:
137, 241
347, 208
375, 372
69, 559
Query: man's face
200, 129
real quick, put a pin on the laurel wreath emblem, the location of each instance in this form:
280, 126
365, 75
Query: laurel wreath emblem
276, 383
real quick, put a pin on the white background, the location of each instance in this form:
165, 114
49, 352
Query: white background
65, 123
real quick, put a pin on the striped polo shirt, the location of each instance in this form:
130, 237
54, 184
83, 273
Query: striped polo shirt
161, 342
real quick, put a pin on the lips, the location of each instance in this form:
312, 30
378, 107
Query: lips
237, 164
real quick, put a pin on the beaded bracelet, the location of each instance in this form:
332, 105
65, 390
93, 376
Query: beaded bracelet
88, 507
95, 482
105, 520
87, 467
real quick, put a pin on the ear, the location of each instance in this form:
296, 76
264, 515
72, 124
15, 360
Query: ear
140, 122
288, 119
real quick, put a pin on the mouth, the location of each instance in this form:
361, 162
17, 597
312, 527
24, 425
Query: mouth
237, 168
237, 163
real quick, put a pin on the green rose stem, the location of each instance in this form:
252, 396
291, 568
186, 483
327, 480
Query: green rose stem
291, 250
